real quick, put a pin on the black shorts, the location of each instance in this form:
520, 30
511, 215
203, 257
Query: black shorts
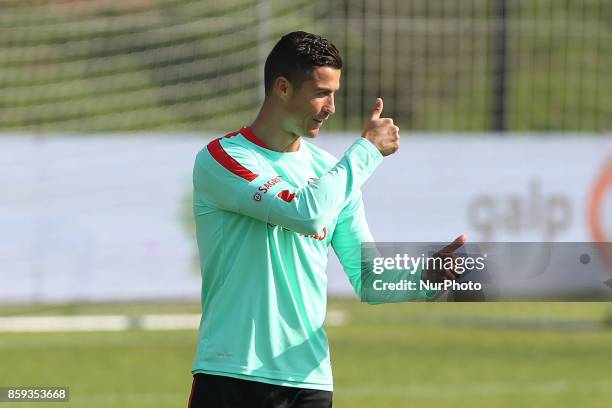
215, 391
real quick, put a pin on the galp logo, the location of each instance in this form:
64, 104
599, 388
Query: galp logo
532, 212
595, 211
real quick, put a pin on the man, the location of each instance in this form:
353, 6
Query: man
267, 206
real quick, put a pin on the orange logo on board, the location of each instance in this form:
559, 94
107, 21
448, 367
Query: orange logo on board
603, 186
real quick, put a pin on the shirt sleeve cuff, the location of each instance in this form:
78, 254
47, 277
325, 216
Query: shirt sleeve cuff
372, 150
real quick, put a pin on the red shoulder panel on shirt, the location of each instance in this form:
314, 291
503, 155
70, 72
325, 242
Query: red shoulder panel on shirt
222, 157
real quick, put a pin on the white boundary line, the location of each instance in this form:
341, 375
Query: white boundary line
98, 323
84, 323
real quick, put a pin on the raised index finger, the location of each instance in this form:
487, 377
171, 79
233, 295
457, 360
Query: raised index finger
455, 245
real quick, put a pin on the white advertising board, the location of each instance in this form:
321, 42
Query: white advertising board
107, 217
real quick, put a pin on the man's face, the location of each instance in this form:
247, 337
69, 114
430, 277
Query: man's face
312, 103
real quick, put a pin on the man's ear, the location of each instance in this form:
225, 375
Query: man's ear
282, 88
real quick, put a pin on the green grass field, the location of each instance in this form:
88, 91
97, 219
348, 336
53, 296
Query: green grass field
403, 355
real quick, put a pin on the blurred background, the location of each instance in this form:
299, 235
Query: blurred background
179, 65
505, 108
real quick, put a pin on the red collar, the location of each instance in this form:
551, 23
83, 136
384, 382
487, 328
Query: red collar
247, 133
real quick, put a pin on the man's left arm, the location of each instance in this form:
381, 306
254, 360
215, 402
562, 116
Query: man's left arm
351, 231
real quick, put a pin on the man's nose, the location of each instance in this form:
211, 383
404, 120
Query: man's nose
330, 106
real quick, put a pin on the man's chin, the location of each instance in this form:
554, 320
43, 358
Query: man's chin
312, 132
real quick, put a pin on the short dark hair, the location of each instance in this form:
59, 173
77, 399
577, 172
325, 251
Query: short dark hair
296, 54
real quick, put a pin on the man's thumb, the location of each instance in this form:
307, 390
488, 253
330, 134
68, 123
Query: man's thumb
378, 107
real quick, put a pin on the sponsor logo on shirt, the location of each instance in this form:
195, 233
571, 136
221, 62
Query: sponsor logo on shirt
269, 184
257, 197
286, 195
319, 237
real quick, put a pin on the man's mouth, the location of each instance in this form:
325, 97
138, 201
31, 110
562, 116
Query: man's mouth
319, 120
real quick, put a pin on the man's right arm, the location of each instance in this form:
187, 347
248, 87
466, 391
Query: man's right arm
229, 177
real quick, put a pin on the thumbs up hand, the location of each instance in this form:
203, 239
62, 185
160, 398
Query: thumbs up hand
381, 132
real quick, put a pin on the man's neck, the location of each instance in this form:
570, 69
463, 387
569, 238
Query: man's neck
271, 133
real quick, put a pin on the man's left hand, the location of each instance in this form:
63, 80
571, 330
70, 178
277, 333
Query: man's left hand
435, 274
